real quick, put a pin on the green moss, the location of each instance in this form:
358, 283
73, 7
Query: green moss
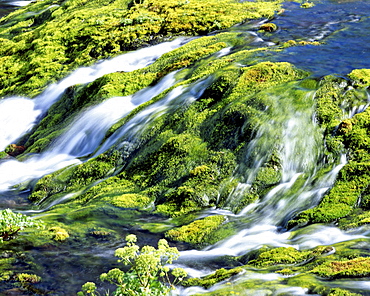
268, 27
74, 177
33, 54
307, 4
361, 77
197, 232
28, 278
129, 200
358, 267
280, 256
59, 234
210, 280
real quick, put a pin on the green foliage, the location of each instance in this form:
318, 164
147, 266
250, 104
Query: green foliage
146, 266
12, 223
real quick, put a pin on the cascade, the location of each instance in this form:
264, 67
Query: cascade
15, 121
80, 139
127, 134
288, 127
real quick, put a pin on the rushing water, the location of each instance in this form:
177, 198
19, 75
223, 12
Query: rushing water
286, 127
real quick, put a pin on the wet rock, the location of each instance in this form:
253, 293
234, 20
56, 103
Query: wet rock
14, 150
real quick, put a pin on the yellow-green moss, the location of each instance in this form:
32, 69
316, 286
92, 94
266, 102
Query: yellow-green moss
129, 200
280, 256
197, 232
59, 234
44, 41
209, 280
358, 267
361, 77
28, 278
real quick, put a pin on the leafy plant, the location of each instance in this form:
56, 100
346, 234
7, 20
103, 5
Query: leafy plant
147, 275
11, 223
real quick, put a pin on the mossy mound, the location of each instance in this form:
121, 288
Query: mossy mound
216, 277
197, 232
358, 267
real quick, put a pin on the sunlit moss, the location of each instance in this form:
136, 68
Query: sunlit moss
198, 231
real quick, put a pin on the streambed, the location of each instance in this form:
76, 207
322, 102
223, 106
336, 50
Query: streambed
342, 27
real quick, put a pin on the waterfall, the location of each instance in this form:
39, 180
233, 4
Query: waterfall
81, 138
289, 128
18, 114
130, 131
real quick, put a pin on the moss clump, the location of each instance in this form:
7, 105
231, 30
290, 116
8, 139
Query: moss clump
28, 278
130, 200
197, 232
361, 77
307, 5
268, 27
59, 234
280, 256
358, 267
74, 177
210, 280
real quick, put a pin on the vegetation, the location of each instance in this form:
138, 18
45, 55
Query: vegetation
12, 223
192, 155
146, 266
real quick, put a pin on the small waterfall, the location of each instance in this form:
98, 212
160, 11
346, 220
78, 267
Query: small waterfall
18, 115
88, 130
81, 138
297, 139
130, 131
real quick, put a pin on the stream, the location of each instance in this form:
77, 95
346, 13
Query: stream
342, 26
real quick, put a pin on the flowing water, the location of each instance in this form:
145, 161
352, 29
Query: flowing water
286, 128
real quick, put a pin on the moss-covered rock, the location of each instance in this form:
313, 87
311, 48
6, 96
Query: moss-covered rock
358, 267
197, 232
216, 277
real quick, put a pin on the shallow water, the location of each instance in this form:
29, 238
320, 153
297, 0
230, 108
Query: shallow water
343, 28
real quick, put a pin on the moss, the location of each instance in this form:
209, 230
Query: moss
307, 5
341, 199
210, 280
197, 232
268, 27
130, 200
74, 177
360, 77
358, 267
33, 54
280, 256
28, 278
6, 261
59, 233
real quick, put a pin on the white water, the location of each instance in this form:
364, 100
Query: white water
296, 137
81, 138
127, 134
18, 115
